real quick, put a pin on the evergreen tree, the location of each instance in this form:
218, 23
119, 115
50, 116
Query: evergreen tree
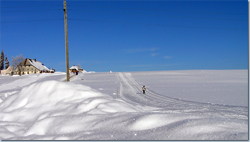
2, 61
7, 63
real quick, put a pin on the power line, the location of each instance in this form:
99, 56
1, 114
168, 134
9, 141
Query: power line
31, 6
122, 22
162, 10
32, 10
162, 25
162, 15
32, 20
155, 24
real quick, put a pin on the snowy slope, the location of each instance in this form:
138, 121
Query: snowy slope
44, 107
227, 87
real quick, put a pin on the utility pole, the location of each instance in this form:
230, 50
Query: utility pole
66, 39
117, 93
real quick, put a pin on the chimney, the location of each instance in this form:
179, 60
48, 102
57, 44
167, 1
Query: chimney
35, 60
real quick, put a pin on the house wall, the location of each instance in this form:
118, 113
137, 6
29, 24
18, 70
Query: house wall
7, 71
27, 68
72, 70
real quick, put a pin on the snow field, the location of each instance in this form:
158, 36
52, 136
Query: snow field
87, 109
226, 87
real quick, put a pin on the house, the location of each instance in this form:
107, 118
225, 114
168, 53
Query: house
75, 69
8, 71
52, 70
29, 66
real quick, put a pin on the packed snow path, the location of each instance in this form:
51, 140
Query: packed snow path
131, 91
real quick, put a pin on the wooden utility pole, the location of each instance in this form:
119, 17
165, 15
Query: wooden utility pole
248, 34
66, 39
117, 93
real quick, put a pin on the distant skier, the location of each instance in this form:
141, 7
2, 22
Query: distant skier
143, 89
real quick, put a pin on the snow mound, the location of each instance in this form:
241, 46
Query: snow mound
56, 107
55, 96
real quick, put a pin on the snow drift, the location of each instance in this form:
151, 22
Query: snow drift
44, 102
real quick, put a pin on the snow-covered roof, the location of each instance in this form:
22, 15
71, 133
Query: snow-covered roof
75, 67
38, 65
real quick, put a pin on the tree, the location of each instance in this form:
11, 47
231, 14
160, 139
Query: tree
79, 66
15, 61
7, 63
2, 61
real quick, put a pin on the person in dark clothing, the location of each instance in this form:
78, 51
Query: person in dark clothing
143, 89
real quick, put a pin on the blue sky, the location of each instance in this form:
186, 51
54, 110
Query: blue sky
128, 35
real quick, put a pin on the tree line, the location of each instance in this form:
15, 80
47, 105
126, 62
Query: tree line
15, 61
7, 63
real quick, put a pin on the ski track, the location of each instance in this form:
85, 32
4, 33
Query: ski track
130, 91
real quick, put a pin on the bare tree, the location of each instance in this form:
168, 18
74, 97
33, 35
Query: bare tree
15, 61
79, 66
